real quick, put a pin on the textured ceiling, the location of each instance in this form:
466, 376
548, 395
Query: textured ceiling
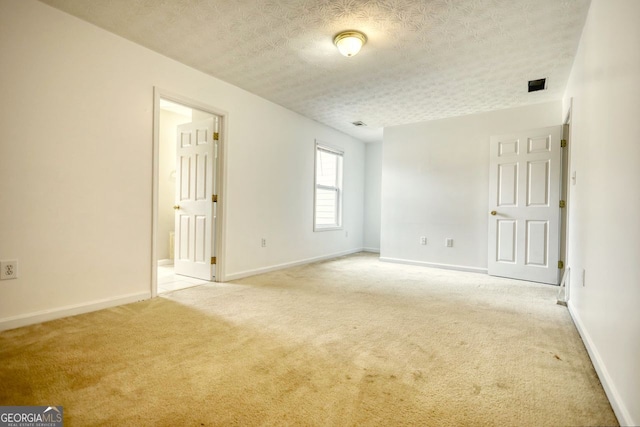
424, 59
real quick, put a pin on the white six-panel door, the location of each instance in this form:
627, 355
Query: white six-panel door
194, 208
524, 212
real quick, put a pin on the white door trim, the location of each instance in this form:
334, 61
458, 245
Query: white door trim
221, 176
566, 195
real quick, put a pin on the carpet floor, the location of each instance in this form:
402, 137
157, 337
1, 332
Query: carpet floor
350, 341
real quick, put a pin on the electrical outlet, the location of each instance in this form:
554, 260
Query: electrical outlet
264, 242
423, 240
8, 270
449, 242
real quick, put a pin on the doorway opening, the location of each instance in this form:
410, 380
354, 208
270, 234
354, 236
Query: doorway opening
187, 229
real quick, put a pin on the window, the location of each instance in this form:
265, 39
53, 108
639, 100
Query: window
328, 188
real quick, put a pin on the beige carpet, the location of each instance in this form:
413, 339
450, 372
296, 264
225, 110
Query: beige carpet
351, 341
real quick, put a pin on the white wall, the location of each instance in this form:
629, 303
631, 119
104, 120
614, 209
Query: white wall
271, 193
435, 178
372, 194
76, 167
604, 206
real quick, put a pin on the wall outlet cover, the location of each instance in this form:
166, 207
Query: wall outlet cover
8, 270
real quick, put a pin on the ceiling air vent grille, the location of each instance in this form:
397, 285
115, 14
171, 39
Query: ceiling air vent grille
536, 85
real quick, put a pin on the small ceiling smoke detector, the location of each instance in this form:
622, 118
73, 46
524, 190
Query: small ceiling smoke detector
536, 85
358, 123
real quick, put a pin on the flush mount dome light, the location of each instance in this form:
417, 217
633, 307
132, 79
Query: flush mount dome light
349, 43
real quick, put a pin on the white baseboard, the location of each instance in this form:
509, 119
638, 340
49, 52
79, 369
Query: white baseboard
247, 273
372, 250
619, 408
70, 310
165, 262
435, 265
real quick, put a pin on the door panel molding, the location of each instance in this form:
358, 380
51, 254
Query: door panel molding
194, 200
524, 195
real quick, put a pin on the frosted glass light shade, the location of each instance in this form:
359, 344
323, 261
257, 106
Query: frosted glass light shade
349, 43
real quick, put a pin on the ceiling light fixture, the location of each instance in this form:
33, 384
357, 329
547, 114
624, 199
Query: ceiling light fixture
349, 43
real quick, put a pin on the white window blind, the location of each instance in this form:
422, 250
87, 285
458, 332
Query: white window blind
328, 188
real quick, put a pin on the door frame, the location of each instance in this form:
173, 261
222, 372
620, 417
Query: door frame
220, 223
565, 194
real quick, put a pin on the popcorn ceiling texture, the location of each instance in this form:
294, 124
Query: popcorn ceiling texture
424, 60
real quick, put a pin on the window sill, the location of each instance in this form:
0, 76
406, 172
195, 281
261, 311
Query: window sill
328, 228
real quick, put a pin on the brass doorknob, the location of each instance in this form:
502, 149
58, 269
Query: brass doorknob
494, 213
176, 207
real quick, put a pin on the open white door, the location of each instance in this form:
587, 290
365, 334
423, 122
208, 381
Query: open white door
194, 206
524, 210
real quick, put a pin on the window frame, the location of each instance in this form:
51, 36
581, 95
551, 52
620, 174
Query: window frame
339, 153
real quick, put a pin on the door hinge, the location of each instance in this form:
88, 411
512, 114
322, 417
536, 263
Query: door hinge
213, 260
563, 204
563, 143
214, 198
216, 136
560, 265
